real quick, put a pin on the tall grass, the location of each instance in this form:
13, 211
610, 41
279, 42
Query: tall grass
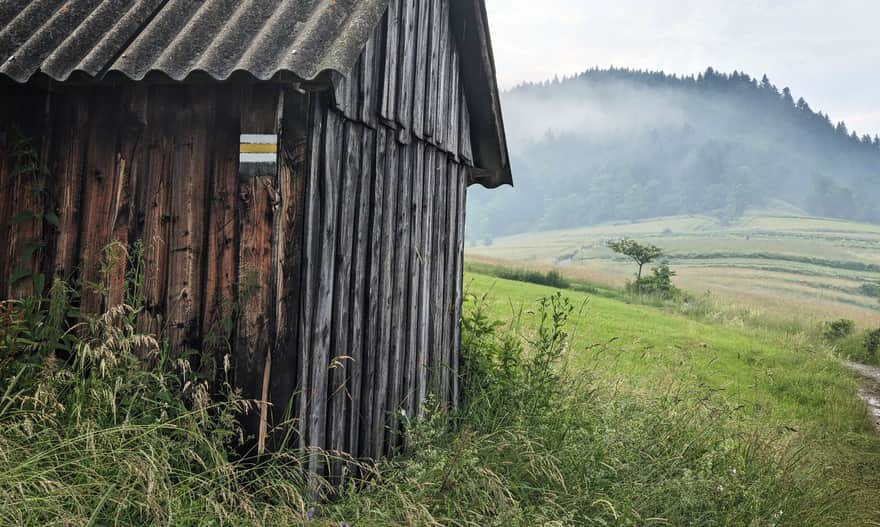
100, 426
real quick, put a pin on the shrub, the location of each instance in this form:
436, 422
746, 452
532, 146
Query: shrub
872, 344
838, 329
658, 284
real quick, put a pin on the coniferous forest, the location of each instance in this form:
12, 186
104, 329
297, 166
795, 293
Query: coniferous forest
618, 144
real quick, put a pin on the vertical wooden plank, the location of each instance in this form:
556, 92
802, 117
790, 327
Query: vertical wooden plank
423, 33
311, 266
152, 201
438, 281
193, 124
454, 108
399, 321
448, 241
360, 287
101, 187
433, 92
392, 37
322, 324
5, 196
416, 264
258, 200
67, 172
424, 318
461, 181
129, 165
406, 80
340, 346
464, 127
386, 286
292, 176
369, 79
445, 56
373, 346
221, 244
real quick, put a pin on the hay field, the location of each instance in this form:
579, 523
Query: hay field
813, 268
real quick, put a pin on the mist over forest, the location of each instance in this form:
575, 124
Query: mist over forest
616, 144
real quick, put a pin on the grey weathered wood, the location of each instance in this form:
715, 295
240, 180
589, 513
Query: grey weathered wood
370, 77
408, 41
360, 287
454, 106
432, 95
410, 380
448, 241
423, 33
372, 346
321, 326
386, 288
441, 130
402, 240
467, 154
424, 298
461, 181
388, 107
340, 361
438, 273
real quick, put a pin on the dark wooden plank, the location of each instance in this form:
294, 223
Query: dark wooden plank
193, 125
461, 181
424, 317
406, 81
410, 401
360, 304
67, 173
129, 168
432, 95
258, 199
372, 346
391, 53
420, 88
292, 177
152, 201
221, 243
340, 362
386, 287
101, 187
322, 325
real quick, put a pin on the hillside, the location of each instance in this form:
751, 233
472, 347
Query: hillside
775, 261
621, 145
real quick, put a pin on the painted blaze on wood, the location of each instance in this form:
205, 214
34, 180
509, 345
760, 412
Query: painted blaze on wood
312, 240
258, 155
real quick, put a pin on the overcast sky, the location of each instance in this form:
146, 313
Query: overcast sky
827, 51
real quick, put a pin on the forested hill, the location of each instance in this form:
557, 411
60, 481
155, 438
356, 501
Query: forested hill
620, 144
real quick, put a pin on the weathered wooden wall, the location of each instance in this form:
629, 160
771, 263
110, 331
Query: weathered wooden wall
334, 285
160, 164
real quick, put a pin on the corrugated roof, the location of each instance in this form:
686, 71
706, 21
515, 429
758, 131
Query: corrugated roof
181, 37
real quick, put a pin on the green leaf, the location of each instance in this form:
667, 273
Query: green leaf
52, 218
39, 283
19, 275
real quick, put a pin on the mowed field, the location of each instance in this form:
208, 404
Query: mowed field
812, 268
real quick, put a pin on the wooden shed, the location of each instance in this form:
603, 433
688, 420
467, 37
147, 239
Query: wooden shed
295, 171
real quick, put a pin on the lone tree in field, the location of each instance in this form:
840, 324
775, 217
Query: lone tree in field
640, 254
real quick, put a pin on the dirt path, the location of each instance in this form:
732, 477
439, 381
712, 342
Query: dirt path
870, 390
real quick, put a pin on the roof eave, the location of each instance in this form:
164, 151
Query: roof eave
481, 89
